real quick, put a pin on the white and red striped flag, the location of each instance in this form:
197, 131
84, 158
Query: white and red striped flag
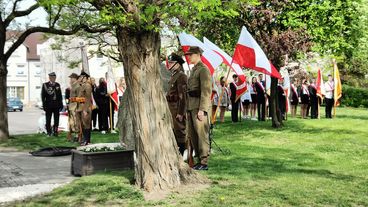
211, 59
249, 54
241, 86
111, 86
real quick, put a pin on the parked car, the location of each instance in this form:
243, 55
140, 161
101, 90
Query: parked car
14, 104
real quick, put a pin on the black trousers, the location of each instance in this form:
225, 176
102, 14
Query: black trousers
49, 113
94, 117
234, 111
261, 109
314, 107
329, 105
102, 117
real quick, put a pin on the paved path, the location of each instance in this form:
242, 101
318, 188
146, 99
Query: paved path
23, 175
25, 122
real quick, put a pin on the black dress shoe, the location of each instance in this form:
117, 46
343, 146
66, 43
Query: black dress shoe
202, 167
196, 166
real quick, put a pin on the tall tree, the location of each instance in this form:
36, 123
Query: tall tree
137, 25
10, 13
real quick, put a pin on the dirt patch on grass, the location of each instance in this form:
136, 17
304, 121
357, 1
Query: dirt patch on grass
189, 189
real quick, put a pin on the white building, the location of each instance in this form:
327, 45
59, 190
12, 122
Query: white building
24, 69
30, 64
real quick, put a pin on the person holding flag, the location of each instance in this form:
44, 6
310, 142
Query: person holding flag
261, 98
294, 98
113, 95
234, 100
198, 107
320, 90
313, 99
282, 99
329, 98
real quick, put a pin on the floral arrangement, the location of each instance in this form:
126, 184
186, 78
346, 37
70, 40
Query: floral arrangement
102, 147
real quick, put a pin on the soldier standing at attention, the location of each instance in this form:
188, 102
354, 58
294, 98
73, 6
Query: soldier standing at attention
176, 98
73, 118
198, 107
52, 102
85, 107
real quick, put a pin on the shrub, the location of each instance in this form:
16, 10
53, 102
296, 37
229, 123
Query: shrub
354, 97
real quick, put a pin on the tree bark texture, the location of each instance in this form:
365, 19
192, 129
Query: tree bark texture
4, 131
159, 165
274, 104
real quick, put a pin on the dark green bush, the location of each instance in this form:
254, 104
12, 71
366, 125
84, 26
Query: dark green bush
354, 97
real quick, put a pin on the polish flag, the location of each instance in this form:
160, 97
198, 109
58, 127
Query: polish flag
241, 86
320, 85
111, 86
226, 59
249, 54
211, 59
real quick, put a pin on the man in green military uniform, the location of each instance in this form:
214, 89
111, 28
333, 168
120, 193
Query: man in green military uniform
85, 107
176, 98
198, 107
73, 118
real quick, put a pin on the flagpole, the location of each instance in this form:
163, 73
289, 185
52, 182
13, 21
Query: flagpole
110, 113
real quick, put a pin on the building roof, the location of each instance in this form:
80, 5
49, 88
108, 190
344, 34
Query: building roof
30, 42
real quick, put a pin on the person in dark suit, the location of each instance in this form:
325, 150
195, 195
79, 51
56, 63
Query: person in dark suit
282, 99
52, 102
261, 98
102, 100
94, 108
313, 99
234, 102
294, 98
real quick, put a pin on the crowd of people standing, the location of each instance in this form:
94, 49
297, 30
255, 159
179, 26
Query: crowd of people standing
254, 103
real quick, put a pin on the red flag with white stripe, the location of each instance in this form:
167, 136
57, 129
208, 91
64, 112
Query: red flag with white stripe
111, 86
226, 59
249, 54
320, 85
241, 86
211, 59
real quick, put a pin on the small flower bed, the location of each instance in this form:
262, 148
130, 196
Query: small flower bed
103, 147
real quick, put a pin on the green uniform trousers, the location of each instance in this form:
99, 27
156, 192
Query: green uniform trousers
198, 134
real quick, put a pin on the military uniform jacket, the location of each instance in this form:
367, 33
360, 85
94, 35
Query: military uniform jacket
74, 90
51, 96
85, 91
176, 94
199, 88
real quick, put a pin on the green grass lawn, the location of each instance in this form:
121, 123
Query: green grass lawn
306, 163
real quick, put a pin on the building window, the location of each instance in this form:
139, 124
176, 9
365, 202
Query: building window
21, 69
38, 70
16, 92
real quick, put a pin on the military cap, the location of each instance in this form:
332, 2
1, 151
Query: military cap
73, 75
176, 58
52, 74
194, 50
84, 74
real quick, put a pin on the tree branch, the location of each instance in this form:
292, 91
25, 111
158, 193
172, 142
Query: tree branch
32, 30
15, 13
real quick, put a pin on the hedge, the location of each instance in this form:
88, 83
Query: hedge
354, 97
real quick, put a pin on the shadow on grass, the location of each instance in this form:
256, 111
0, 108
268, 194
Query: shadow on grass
353, 117
267, 163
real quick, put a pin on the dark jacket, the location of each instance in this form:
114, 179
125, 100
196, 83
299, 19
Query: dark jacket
260, 91
51, 96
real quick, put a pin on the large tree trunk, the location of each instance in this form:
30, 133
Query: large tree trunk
4, 131
274, 104
159, 164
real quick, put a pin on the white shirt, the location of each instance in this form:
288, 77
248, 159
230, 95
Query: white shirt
246, 95
329, 87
